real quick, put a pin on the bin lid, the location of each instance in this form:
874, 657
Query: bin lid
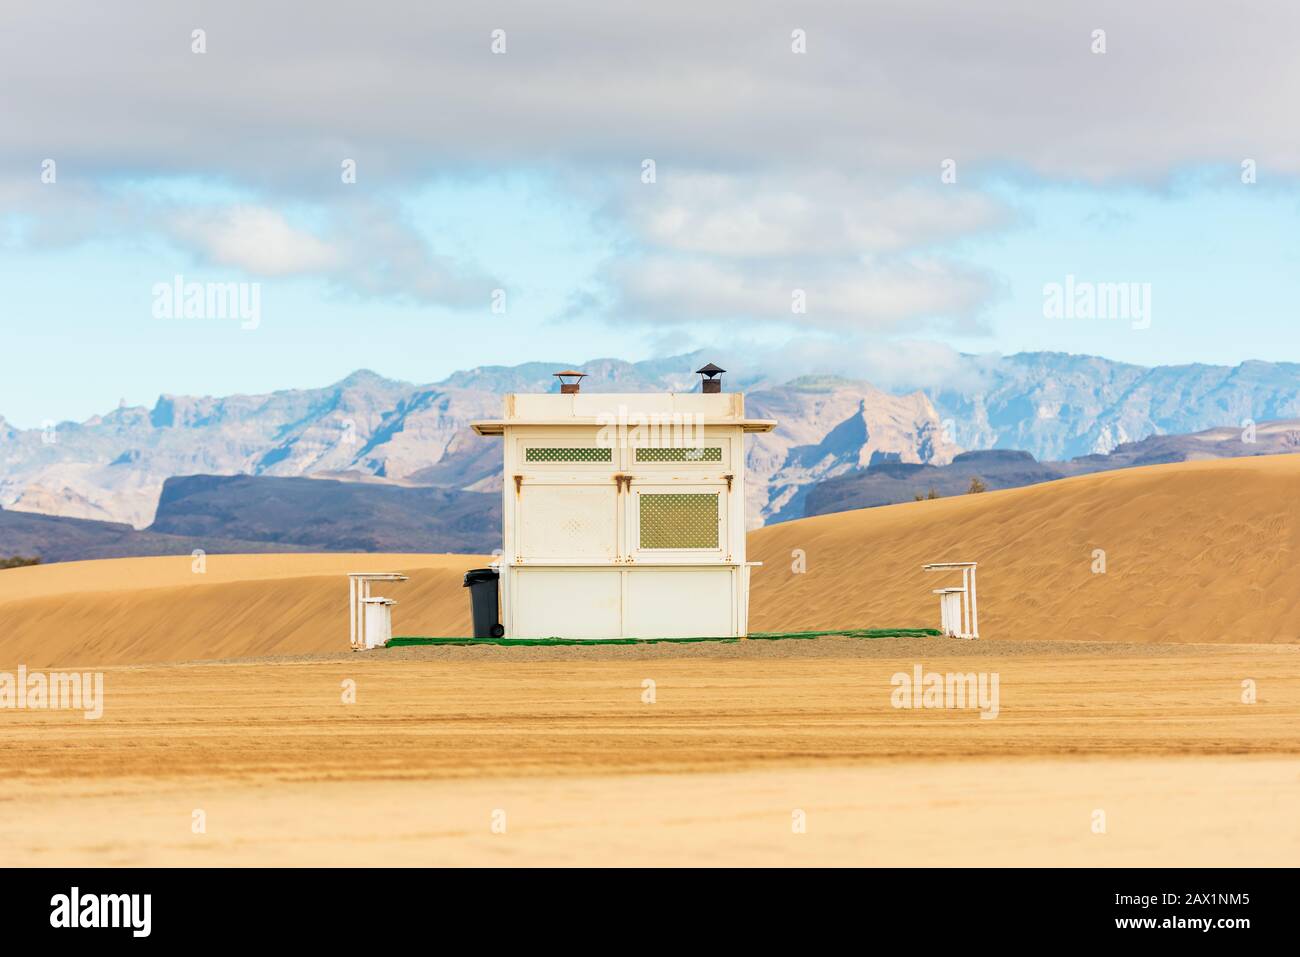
476, 576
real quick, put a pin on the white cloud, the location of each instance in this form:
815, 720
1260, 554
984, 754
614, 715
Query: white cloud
898, 365
718, 246
775, 170
801, 214
362, 248
885, 296
892, 87
258, 241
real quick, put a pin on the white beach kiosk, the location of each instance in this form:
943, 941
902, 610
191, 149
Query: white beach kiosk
624, 513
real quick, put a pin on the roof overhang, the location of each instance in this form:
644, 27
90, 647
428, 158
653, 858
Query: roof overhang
499, 426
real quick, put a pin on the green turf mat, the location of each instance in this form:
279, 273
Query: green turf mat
407, 641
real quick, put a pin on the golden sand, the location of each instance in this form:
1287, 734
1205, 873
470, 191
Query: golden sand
715, 770
1107, 709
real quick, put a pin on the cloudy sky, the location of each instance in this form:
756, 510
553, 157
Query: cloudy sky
857, 187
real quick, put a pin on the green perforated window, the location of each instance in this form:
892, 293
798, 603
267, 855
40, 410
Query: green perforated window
708, 453
567, 454
679, 520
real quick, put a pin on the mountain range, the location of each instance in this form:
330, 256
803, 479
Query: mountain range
367, 428
248, 514
886, 483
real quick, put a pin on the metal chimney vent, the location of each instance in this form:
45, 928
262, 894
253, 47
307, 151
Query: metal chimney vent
710, 382
567, 387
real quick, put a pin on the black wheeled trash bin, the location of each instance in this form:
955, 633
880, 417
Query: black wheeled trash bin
485, 605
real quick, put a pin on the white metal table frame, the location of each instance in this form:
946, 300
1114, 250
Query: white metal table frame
969, 626
358, 593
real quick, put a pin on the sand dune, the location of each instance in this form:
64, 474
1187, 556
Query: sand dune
1198, 551
133, 610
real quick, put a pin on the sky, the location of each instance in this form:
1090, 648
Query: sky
869, 187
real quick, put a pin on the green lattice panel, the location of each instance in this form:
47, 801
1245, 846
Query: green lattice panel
679, 520
567, 454
708, 453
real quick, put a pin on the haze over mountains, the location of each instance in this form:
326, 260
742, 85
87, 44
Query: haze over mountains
368, 428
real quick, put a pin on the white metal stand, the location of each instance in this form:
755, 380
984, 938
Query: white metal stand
359, 594
379, 621
958, 611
